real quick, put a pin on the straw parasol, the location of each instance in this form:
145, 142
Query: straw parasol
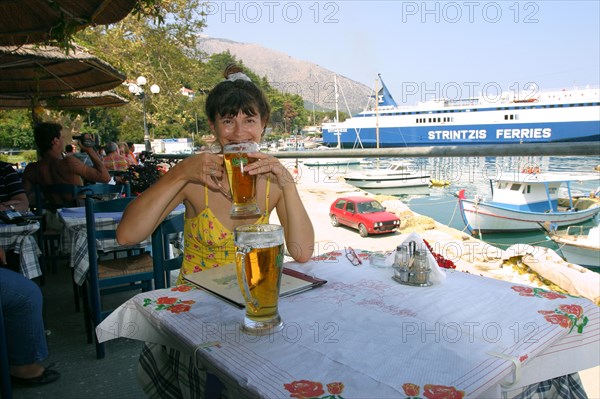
76, 100
44, 72
35, 21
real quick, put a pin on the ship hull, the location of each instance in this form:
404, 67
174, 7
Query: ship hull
486, 218
411, 136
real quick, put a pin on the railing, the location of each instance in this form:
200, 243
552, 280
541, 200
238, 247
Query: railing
489, 150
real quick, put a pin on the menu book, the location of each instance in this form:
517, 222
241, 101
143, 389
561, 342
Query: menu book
222, 282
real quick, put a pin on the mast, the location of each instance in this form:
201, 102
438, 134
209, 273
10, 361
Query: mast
337, 113
376, 113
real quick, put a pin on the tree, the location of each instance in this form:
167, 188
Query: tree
166, 54
16, 130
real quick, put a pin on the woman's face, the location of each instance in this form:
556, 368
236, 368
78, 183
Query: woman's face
237, 129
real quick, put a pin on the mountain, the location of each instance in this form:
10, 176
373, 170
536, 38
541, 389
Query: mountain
312, 82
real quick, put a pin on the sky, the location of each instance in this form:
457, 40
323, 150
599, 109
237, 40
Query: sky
424, 49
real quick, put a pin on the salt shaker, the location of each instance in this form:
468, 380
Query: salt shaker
402, 261
420, 269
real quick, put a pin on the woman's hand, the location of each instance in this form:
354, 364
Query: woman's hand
205, 168
267, 164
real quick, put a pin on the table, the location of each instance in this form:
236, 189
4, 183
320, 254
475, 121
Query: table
76, 234
362, 335
21, 238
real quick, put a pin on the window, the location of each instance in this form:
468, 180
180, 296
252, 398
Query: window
340, 204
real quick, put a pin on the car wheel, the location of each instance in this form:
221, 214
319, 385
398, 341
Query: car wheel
362, 230
334, 221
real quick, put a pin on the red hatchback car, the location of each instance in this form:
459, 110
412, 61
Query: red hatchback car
364, 214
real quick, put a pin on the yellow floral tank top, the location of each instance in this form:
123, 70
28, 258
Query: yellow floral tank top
207, 243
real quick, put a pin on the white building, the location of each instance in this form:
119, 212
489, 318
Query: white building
172, 146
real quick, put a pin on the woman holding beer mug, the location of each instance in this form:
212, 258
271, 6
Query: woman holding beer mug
237, 112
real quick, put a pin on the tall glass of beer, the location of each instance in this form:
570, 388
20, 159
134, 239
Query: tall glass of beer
259, 263
242, 185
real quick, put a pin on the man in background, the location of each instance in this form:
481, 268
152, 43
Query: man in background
54, 168
82, 156
12, 193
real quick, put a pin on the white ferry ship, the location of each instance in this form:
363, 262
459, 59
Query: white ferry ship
544, 117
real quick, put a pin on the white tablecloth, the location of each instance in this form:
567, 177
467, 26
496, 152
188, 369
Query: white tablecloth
370, 337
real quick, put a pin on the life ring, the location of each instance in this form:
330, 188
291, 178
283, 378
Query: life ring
531, 170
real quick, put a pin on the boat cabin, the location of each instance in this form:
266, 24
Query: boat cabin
528, 193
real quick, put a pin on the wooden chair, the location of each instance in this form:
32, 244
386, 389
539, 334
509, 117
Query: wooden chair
165, 234
111, 270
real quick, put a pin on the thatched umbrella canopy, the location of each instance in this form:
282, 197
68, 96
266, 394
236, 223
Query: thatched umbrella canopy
45, 72
76, 100
36, 21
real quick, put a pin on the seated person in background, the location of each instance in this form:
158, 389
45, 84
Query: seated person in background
124, 149
25, 334
114, 160
54, 168
12, 193
70, 149
12, 198
131, 152
237, 111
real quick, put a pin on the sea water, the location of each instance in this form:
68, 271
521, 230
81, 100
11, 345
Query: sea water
473, 175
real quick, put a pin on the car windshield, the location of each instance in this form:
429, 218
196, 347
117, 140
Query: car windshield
369, 207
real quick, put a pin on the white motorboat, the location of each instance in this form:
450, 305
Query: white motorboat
398, 178
320, 162
578, 247
525, 202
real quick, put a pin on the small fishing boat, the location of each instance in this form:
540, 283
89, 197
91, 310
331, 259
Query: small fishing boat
439, 183
524, 202
578, 247
398, 178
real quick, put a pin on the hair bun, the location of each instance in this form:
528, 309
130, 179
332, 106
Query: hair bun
231, 69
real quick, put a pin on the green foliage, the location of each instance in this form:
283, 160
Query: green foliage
16, 129
29, 156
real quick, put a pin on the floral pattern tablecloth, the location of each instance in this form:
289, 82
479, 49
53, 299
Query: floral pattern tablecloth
363, 335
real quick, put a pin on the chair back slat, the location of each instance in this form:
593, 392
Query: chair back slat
54, 196
100, 189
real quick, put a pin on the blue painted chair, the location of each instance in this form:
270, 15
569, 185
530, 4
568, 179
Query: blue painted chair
113, 269
167, 233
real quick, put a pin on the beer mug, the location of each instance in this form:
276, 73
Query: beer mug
242, 184
259, 263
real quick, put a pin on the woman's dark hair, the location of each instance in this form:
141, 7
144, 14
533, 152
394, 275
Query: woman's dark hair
44, 133
229, 97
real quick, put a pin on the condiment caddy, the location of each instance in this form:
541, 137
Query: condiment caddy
411, 266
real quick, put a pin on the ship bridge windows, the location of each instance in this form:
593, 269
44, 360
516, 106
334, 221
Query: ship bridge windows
511, 117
